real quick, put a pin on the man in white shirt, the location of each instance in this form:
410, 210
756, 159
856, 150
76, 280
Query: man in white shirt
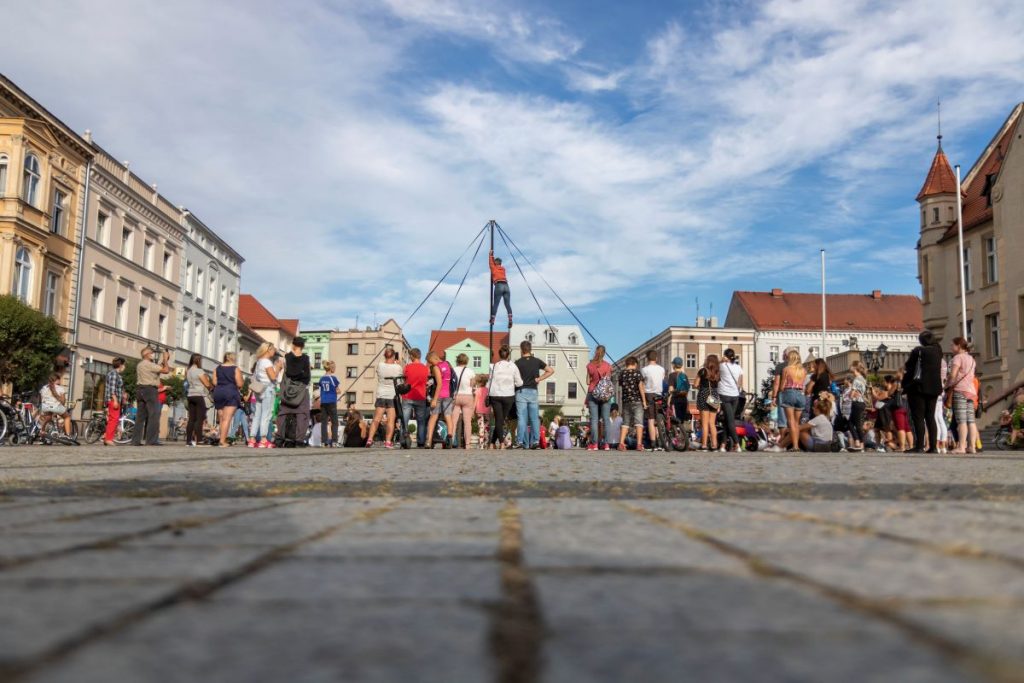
654, 381
729, 381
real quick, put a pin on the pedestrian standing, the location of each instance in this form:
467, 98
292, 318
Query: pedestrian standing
729, 382
114, 397
464, 379
384, 399
600, 407
709, 402
858, 404
501, 290
294, 398
415, 401
533, 371
439, 389
199, 387
965, 394
792, 400
679, 390
505, 379
147, 379
226, 395
264, 386
631, 389
483, 411
329, 406
922, 381
654, 380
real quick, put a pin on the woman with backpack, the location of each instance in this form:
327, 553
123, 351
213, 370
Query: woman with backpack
293, 411
463, 381
600, 391
708, 402
679, 390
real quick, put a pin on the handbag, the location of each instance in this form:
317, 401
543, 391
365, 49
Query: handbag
713, 400
257, 387
208, 400
292, 393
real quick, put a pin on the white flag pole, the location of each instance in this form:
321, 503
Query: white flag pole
960, 238
823, 327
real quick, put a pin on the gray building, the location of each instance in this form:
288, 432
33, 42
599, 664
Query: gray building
210, 280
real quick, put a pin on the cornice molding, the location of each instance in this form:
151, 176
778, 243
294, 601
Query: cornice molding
136, 203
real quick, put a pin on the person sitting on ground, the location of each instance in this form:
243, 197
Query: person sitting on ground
816, 435
501, 290
53, 404
355, 429
631, 386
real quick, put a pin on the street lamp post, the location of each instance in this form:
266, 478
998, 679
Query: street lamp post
876, 359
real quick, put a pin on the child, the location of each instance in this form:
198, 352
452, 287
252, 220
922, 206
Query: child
816, 435
483, 411
634, 403
329, 406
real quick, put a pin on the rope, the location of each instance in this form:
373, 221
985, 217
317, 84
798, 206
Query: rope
417, 309
560, 300
459, 290
501, 233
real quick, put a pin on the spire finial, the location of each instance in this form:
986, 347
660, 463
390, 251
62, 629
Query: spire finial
938, 112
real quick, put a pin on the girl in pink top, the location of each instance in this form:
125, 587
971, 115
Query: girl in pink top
965, 396
600, 411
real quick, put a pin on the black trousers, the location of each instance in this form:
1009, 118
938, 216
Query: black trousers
857, 421
922, 412
329, 413
729, 406
147, 416
196, 415
501, 406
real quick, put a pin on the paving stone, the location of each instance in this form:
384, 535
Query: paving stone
995, 629
437, 545
320, 643
20, 546
23, 515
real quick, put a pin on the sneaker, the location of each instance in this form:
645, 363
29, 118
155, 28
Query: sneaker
388, 445
251, 443
263, 444
621, 447
190, 444
510, 322
270, 444
369, 443
606, 448
592, 447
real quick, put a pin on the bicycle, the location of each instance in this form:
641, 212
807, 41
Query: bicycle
21, 423
97, 427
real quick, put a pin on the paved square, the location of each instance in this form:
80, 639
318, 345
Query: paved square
175, 564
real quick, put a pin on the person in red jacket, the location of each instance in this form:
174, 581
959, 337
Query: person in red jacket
501, 290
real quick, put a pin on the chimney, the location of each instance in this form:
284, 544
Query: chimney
776, 293
460, 329
876, 295
88, 136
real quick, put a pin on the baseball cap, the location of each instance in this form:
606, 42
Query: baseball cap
677, 361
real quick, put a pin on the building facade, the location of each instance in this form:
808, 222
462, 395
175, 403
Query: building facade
318, 347
248, 343
44, 168
357, 354
210, 280
564, 348
781, 320
993, 213
278, 331
130, 288
473, 343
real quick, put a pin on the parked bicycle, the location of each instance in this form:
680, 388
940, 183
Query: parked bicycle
97, 427
20, 424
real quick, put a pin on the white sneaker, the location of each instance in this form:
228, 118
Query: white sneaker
774, 449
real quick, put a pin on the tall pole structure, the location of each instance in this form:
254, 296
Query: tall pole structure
490, 302
960, 241
823, 326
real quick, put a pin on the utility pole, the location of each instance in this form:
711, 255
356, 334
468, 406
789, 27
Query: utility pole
490, 302
823, 327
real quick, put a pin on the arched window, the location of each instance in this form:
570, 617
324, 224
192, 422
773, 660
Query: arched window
22, 273
3, 175
30, 184
529, 337
573, 339
551, 337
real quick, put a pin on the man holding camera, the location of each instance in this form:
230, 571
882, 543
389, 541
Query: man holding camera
147, 379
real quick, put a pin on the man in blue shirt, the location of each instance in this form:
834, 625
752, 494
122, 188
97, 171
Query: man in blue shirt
329, 405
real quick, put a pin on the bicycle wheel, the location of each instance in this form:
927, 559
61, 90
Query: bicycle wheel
125, 431
94, 430
3, 426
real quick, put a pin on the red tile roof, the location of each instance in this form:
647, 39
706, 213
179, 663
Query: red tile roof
291, 325
246, 330
777, 310
940, 178
254, 314
444, 339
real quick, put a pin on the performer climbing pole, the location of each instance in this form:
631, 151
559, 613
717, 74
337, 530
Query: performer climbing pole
499, 283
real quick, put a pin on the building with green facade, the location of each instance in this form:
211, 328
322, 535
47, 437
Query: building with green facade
318, 344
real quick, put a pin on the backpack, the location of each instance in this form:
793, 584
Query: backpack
682, 383
603, 390
453, 380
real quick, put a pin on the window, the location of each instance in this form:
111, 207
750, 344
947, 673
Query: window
143, 320
926, 279
967, 268
200, 284
691, 360
147, 255
353, 349
167, 265
351, 373
350, 397
233, 301
991, 263
529, 337
119, 313
212, 300
970, 331
186, 329
197, 336
102, 228
162, 328
189, 272
574, 360
833, 351
22, 274
50, 295
317, 359
992, 332
30, 181
549, 391
126, 242
477, 362
924, 217
550, 360
3, 175
97, 304
773, 354
58, 218
223, 298
573, 339
572, 392
551, 337
935, 215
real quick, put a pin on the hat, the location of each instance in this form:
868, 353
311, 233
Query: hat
677, 361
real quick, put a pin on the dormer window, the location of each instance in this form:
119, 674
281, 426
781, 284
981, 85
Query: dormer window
529, 337
551, 337
573, 339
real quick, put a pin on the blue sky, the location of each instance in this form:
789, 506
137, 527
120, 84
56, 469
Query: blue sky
643, 154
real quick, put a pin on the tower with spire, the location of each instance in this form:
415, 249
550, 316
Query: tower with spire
937, 201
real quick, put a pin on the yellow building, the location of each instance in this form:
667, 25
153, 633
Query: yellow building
43, 170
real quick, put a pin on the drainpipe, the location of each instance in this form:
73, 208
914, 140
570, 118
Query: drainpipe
78, 281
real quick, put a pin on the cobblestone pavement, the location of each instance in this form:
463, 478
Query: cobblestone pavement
174, 564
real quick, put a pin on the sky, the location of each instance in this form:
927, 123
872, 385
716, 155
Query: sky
644, 155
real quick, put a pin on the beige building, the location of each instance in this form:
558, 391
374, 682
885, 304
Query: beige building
43, 183
278, 331
354, 351
131, 291
993, 213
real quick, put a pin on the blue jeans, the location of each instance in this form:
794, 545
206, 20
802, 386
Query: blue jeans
528, 408
422, 413
598, 412
501, 292
263, 413
239, 419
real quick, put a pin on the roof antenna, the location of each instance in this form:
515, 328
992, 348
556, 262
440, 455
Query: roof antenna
938, 111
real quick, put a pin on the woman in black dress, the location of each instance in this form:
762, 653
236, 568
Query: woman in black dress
708, 402
227, 397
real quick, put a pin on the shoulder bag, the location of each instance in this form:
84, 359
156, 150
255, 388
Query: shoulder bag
604, 389
487, 399
292, 393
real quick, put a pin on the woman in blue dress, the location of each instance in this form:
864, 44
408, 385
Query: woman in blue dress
227, 397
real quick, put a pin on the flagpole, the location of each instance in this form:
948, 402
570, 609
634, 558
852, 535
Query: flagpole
960, 239
823, 326
490, 302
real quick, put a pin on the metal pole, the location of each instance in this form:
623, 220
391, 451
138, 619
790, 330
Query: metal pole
76, 312
490, 302
960, 240
823, 327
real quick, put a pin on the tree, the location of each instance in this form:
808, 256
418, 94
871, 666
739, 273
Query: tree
175, 386
29, 341
130, 377
549, 414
